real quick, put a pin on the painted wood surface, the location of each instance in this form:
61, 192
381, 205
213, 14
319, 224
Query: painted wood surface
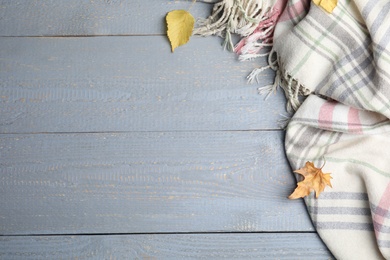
147, 182
110, 145
90, 17
172, 246
97, 84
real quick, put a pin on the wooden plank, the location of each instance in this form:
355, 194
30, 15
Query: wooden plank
90, 17
166, 246
97, 84
147, 182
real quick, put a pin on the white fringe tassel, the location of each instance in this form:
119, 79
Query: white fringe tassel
292, 88
255, 20
234, 16
284, 120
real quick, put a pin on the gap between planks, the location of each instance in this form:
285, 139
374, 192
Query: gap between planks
158, 233
153, 131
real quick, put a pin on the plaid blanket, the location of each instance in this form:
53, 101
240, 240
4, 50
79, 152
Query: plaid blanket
341, 63
343, 60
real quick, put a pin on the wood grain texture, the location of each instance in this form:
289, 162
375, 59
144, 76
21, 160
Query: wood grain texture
98, 84
193, 246
116, 135
147, 182
90, 17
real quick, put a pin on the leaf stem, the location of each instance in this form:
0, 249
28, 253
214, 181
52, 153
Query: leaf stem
324, 163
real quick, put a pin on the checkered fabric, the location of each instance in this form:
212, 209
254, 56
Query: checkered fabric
343, 60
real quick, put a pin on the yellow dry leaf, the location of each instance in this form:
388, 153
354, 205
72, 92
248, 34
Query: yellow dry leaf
314, 180
180, 25
327, 5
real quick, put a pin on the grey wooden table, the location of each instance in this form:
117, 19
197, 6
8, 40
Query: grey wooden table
112, 147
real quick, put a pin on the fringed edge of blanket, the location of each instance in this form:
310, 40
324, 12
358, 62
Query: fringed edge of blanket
293, 89
255, 20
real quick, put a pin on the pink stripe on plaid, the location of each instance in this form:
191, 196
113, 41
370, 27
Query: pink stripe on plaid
382, 211
354, 124
326, 115
263, 32
295, 10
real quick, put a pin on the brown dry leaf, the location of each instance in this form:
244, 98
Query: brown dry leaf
314, 180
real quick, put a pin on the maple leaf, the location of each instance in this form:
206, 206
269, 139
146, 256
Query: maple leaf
327, 5
314, 180
180, 25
